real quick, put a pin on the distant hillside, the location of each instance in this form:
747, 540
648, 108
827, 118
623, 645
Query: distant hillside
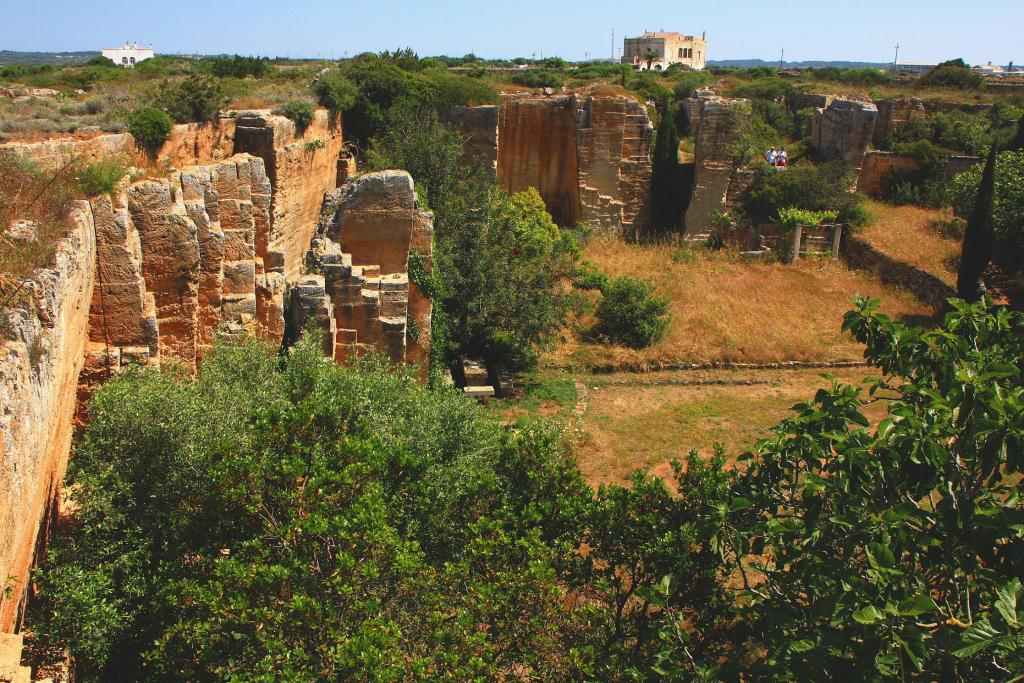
751, 63
12, 57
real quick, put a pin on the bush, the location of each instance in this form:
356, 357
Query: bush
630, 314
335, 92
1008, 209
196, 98
823, 187
300, 112
924, 186
589, 278
100, 176
953, 74
791, 217
237, 66
538, 78
150, 127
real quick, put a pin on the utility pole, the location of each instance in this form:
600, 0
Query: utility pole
896, 59
782, 59
613, 46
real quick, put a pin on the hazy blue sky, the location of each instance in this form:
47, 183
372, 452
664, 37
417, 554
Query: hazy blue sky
863, 30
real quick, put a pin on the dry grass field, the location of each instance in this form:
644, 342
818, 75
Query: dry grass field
638, 422
726, 309
914, 236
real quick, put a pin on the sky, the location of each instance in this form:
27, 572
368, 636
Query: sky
857, 30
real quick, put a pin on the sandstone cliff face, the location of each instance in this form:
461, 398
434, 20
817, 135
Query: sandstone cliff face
844, 130
198, 233
538, 149
589, 158
893, 115
38, 372
879, 165
717, 133
299, 176
478, 127
188, 144
613, 153
364, 298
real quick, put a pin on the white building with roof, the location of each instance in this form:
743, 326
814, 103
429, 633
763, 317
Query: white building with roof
128, 55
665, 49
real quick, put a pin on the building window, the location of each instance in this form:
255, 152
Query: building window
680, 53
124, 60
131, 60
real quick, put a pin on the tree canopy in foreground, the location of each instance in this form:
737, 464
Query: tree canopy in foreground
284, 518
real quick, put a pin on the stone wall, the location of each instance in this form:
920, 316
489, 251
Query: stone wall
478, 127
38, 373
893, 115
588, 157
613, 161
538, 149
364, 298
878, 166
844, 130
299, 174
716, 135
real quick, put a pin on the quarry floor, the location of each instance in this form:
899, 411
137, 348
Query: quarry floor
623, 414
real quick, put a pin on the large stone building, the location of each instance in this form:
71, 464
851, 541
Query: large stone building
128, 55
668, 49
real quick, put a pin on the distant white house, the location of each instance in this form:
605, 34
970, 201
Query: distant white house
128, 55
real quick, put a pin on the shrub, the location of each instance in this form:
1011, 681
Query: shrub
150, 127
538, 78
924, 186
589, 277
953, 74
101, 176
100, 60
630, 314
196, 98
335, 92
1008, 208
824, 187
300, 112
237, 66
792, 217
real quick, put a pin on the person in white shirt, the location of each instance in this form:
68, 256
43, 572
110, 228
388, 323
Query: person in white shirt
783, 158
771, 156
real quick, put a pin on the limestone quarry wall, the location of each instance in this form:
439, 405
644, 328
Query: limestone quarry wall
613, 141
716, 135
844, 130
588, 156
538, 149
893, 115
38, 374
359, 293
300, 172
188, 144
879, 165
478, 127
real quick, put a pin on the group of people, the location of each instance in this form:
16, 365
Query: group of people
777, 158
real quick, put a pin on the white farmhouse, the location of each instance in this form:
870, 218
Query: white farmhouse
128, 55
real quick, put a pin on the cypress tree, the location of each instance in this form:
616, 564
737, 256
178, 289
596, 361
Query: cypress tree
666, 195
977, 249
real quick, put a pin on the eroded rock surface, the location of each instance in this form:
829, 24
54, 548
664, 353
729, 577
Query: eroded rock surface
844, 130
893, 115
717, 134
38, 374
361, 295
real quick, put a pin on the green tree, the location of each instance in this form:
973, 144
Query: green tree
630, 313
666, 192
1008, 205
887, 551
196, 98
150, 127
334, 91
503, 261
1017, 143
979, 235
300, 112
